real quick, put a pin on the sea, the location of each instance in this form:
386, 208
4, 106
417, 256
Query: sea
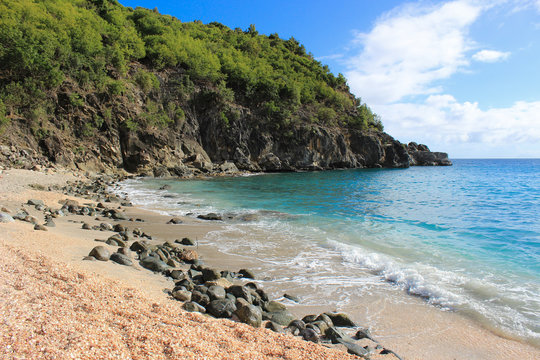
464, 238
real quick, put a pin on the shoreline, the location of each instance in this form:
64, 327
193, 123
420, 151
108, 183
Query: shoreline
154, 224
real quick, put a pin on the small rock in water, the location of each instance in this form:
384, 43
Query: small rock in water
210, 216
100, 253
165, 187
245, 273
186, 241
292, 298
121, 259
175, 221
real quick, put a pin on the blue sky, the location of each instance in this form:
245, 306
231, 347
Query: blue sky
461, 76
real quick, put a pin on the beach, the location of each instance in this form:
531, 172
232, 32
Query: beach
57, 305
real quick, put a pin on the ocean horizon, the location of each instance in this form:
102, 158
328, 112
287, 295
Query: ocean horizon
465, 238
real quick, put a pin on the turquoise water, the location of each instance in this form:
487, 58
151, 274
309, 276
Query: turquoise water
465, 238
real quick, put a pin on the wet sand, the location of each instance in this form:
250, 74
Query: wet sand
404, 324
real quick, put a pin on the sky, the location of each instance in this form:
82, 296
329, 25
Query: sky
460, 76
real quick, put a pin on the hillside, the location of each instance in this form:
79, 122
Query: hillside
95, 85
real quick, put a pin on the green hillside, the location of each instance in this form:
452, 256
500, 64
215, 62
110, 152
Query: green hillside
54, 53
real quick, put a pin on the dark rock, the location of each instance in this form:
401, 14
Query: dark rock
210, 274
100, 253
274, 306
325, 319
292, 298
216, 292
153, 264
165, 187
245, 273
283, 317
175, 221
86, 226
193, 307
240, 291
186, 241
194, 273
119, 228
334, 335
182, 295
309, 335
340, 319
248, 314
299, 324
200, 298
186, 283
309, 318
50, 223
177, 274
138, 247
221, 308
106, 227
353, 348
124, 251
210, 216
274, 327
319, 325
40, 227
121, 259
363, 333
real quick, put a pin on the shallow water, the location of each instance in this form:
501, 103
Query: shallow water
465, 238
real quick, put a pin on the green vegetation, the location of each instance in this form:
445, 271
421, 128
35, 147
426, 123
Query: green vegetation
80, 47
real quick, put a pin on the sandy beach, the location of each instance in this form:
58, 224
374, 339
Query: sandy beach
57, 305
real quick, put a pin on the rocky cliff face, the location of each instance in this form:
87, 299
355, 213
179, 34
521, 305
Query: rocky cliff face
202, 143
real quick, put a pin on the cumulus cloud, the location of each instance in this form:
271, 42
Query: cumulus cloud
490, 56
444, 121
411, 48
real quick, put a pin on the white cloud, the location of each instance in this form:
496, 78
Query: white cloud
409, 49
490, 56
443, 123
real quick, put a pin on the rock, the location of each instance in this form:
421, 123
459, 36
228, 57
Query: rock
182, 295
292, 298
86, 226
153, 264
186, 283
121, 259
274, 306
245, 273
340, 319
100, 253
5, 218
363, 333
274, 327
353, 348
177, 274
119, 228
309, 318
210, 274
248, 314
193, 307
186, 241
221, 308
299, 324
35, 202
216, 292
319, 325
200, 298
50, 223
40, 227
165, 187
124, 251
309, 335
210, 216
283, 317
220, 282
105, 227
228, 167
175, 221
138, 247
240, 291
188, 255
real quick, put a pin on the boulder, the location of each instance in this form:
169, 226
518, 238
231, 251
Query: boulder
240, 291
216, 292
245, 273
340, 319
248, 314
121, 259
274, 327
353, 348
274, 306
193, 307
221, 308
283, 317
100, 253
200, 298
182, 295
35, 202
188, 255
153, 264
309, 335
210, 274
186, 241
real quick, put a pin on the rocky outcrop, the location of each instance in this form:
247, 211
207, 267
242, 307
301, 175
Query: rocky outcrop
420, 155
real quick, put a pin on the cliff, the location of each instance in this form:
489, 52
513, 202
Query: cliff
95, 85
